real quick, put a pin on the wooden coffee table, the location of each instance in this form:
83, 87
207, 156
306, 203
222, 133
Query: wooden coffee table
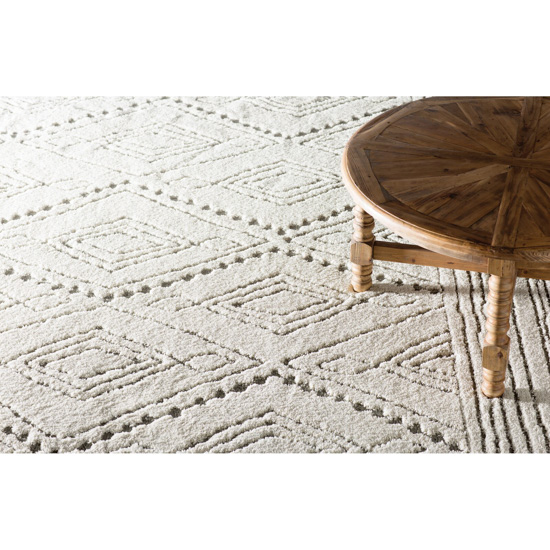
467, 180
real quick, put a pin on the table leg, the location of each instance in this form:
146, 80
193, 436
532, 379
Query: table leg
361, 250
497, 342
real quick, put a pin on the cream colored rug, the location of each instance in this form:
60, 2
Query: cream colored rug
173, 276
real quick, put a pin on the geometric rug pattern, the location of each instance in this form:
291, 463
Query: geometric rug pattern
173, 278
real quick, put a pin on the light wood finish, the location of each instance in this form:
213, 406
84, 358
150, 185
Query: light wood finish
468, 179
361, 250
412, 254
497, 342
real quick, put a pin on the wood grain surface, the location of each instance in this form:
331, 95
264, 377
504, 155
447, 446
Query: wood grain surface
465, 177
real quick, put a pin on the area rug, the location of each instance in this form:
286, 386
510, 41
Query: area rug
173, 278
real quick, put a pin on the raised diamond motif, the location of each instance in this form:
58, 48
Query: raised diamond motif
282, 182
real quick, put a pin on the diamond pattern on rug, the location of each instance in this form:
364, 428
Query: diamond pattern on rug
173, 278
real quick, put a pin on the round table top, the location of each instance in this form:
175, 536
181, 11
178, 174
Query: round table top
464, 176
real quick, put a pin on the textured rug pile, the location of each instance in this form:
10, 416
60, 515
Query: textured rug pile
173, 278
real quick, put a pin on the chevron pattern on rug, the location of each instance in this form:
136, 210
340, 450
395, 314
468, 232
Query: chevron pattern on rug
173, 278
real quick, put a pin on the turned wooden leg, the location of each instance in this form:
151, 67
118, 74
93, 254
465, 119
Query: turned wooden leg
497, 342
361, 250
